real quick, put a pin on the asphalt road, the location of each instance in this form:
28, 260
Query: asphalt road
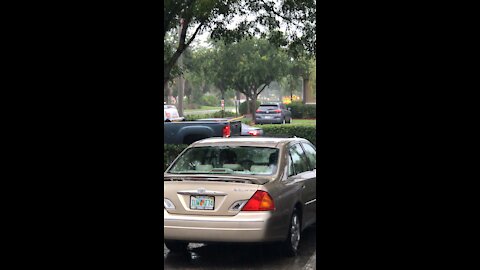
224, 256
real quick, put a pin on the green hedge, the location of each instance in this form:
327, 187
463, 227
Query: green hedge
218, 114
209, 100
171, 151
308, 132
303, 111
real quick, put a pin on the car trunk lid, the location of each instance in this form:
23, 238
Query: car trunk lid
189, 193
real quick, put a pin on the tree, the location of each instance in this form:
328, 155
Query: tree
296, 16
256, 63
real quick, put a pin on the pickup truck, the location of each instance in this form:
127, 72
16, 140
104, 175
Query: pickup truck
187, 132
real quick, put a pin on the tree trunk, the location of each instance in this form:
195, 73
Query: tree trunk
248, 104
306, 89
254, 110
291, 94
165, 93
237, 102
169, 94
182, 45
181, 86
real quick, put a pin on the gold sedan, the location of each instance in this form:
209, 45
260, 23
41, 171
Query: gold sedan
253, 189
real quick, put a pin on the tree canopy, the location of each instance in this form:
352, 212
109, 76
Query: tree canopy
287, 23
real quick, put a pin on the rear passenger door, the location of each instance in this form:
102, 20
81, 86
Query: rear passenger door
301, 172
311, 154
285, 111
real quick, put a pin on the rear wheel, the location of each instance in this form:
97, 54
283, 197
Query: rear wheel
290, 246
176, 246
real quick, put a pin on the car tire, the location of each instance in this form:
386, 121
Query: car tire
290, 245
176, 246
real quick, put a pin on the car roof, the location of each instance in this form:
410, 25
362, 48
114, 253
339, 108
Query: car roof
246, 141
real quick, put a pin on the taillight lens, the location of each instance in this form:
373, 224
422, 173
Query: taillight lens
226, 131
258, 111
278, 111
254, 132
260, 201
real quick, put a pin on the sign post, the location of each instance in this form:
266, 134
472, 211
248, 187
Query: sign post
223, 107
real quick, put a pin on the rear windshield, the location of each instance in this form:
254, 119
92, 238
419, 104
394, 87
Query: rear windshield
269, 107
245, 160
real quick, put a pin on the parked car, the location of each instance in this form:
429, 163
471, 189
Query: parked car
251, 131
247, 189
178, 131
246, 129
170, 113
273, 113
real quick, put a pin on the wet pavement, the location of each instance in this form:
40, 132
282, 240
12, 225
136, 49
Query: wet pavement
200, 256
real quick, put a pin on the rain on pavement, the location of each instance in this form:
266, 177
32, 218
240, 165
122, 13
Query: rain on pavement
230, 256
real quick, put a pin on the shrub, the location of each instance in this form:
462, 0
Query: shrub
308, 132
247, 121
218, 114
170, 152
303, 111
229, 102
243, 107
209, 100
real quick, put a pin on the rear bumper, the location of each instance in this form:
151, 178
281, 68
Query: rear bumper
268, 121
244, 227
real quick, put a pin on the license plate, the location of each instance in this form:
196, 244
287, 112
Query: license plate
202, 202
268, 117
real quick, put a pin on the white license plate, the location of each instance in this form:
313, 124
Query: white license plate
268, 117
202, 202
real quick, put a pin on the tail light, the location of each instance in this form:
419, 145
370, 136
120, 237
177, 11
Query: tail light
277, 111
258, 111
260, 201
254, 132
226, 131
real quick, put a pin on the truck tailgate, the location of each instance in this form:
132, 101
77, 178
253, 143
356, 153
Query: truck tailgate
235, 128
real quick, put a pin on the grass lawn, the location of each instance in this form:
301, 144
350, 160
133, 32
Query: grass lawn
304, 122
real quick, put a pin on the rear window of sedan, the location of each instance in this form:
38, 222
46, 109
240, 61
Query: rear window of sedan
245, 160
268, 107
